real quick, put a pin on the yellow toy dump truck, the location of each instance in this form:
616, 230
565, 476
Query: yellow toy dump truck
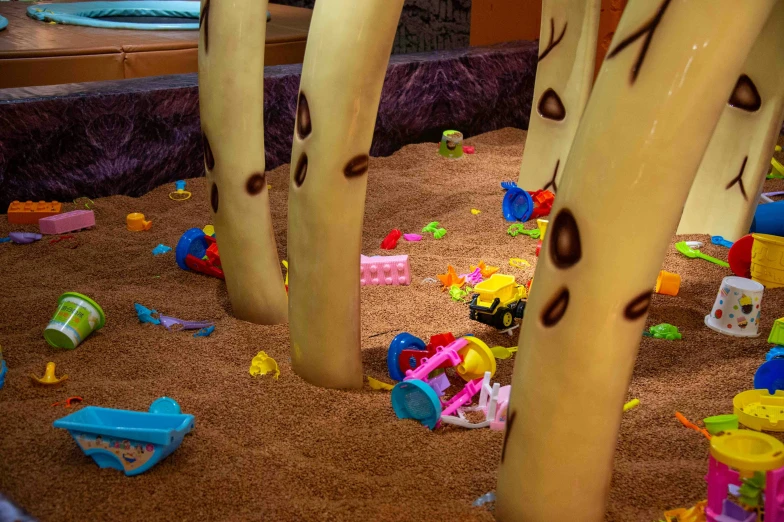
498, 301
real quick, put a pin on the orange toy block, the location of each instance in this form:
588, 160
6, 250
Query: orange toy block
28, 213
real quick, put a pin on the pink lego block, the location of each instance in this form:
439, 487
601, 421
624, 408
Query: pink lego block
68, 222
384, 270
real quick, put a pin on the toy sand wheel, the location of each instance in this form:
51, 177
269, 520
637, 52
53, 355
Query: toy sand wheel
402, 341
504, 318
478, 358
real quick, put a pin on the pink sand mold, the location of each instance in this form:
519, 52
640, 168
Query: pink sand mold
384, 270
67, 222
412, 237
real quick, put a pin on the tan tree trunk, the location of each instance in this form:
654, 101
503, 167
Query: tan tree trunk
653, 109
564, 75
725, 192
345, 63
231, 101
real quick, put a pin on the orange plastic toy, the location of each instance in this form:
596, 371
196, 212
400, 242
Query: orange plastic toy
29, 212
543, 203
687, 423
450, 278
668, 283
485, 270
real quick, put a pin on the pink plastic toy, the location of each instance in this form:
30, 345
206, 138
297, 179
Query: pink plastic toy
412, 237
384, 270
447, 353
67, 222
493, 402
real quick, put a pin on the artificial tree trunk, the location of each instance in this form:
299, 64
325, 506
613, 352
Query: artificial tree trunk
726, 190
345, 62
652, 112
231, 101
564, 75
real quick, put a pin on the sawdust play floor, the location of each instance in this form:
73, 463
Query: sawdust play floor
283, 450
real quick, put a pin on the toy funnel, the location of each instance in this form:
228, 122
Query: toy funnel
49, 378
477, 358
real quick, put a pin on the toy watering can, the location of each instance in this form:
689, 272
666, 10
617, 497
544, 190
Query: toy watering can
135, 222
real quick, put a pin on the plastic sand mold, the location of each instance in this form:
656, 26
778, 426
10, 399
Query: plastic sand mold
759, 410
263, 364
379, 385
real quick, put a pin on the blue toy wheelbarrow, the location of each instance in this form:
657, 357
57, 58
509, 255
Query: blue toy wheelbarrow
130, 441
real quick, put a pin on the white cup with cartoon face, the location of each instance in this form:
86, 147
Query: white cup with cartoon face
737, 308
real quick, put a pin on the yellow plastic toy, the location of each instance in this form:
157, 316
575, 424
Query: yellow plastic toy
497, 301
379, 385
286, 266
501, 352
180, 194
542, 224
631, 404
759, 410
477, 359
49, 378
693, 514
208, 230
476, 211
263, 364
778, 167
518, 262
135, 222
747, 450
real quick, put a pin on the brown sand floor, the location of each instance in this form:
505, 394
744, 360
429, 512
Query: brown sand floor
284, 450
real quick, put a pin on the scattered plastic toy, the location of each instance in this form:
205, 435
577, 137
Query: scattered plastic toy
667, 283
718, 423
718, 240
179, 194
476, 211
5, 239
631, 405
695, 513
688, 424
205, 332
770, 376
209, 230
777, 172
135, 222
498, 300
3, 369
542, 225
777, 332
168, 322
760, 410
49, 377
161, 249
500, 352
29, 212
736, 310
543, 203
518, 262
450, 278
438, 234
664, 331
146, 315
458, 294
59, 239
451, 144
68, 222
469, 149
382, 270
484, 499
390, 242
286, 280
739, 256
493, 402
777, 352
263, 364
519, 228
689, 252
70, 401
429, 280
485, 269
517, 205
24, 238
375, 384
87, 204
129, 441
194, 245
412, 237
473, 277
77, 317
430, 227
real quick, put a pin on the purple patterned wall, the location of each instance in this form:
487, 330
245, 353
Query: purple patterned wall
129, 136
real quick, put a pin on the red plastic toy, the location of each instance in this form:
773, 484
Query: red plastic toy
412, 358
739, 256
390, 242
543, 203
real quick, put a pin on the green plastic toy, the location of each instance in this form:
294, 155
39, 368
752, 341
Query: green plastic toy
431, 227
664, 331
518, 228
438, 234
459, 294
777, 332
687, 251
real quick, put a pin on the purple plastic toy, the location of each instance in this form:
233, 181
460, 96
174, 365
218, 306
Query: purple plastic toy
23, 238
168, 322
67, 222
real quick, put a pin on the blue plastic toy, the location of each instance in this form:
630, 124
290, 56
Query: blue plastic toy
777, 352
518, 205
192, 242
769, 219
718, 240
770, 376
5, 239
205, 332
145, 314
3, 371
402, 341
130, 441
160, 249
90, 14
3, 22
416, 400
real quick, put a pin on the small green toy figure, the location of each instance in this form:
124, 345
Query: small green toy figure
518, 228
750, 492
458, 294
664, 331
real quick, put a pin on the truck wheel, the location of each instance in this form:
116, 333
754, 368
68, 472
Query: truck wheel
520, 309
504, 318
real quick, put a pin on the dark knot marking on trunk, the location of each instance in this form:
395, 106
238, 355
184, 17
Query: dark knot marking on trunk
648, 29
357, 166
550, 106
204, 20
556, 308
745, 95
638, 306
565, 245
552, 44
256, 183
551, 183
214, 197
301, 170
304, 125
209, 159
738, 180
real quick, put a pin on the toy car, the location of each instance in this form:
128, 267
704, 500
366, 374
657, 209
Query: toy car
497, 301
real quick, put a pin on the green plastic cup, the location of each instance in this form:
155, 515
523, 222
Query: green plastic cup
719, 423
451, 144
77, 316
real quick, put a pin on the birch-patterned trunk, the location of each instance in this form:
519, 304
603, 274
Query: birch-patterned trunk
564, 75
345, 63
653, 109
725, 192
231, 101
